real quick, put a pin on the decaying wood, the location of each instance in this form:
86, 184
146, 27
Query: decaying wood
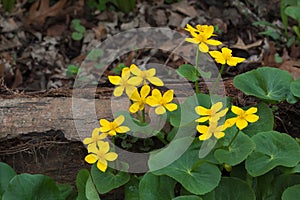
34, 113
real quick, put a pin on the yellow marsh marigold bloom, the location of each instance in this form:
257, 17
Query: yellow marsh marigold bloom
124, 82
114, 127
139, 100
95, 137
202, 38
212, 114
225, 57
161, 102
212, 130
242, 118
100, 154
144, 76
199, 28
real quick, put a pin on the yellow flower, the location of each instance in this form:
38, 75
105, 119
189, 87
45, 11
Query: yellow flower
212, 114
242, 118
101, 154
124, 82
161, 102
225, 57
202, 37
112, 128
95, 137
147, 75
139, 100
199, 28
212, 130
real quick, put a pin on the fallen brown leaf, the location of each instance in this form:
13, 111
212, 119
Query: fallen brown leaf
56, 30
292, 66
241, 45
18, 79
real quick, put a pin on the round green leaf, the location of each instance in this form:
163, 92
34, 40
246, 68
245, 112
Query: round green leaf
188, 71
233, 189
295, 87
79, 28
154, 187
81, 180
77, 36
238, 151
6, 174
266, 83
291, 193
32, 187
293, 12
90, 190
282, 182
107, 181
200, 180
272, 149
265, 122
188, 197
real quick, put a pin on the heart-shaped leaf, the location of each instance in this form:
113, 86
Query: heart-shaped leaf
90, 190
6, 174
188, 71
266, 83
295, 87
154, 187
188, 197
293, 12
28, 187
195, 179
107, 181
132, 189
272, 149
291, 193
238, 151
81, 180
233, 189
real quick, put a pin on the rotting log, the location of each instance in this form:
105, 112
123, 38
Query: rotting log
53, 110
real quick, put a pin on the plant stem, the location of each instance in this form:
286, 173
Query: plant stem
236, 134
196, 72
143, 116
217, 80
197, 164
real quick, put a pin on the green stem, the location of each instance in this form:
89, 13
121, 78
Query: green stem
158, 136
217, 80
143, 116
236, 134
196, 72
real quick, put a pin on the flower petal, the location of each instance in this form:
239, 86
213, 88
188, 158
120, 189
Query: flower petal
155, 81
118, 91
202, 129
216, 107
168, 96
87, 140
156, 94
102, 165
236, 110
119, 120
200, 110
145, 91
92, 149
192, 40
135, 81
91, 158
203, 47
95, 133
122, 129
135, 70
134, 107
135, 96
229, 122
104, 122
213, 42
150, 72
160, 110
152, 101
251, 110
204, 137
171, 106
215, 54
202, 119
125, 73
252, 118
241, 123
219, 135
114, 79
112, 133
111, 156
130, 90
222, 113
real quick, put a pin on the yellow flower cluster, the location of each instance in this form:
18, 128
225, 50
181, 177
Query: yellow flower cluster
98, 149
215, 113
130, 84
201, 36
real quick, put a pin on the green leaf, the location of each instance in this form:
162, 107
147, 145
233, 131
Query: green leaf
188, 71
8, 5
107, 181
94, 54
188, 197
291, 193
72, 70
75, 22
266, 83
32, 187
66, 192
200, 180
282, 182
81, 180
274, 34
295, 87
233, 189
90, 190
79, 29
154, 187
265, 122
293, 12
238, 151
77, 36
6, 174
272, 149
132, 189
